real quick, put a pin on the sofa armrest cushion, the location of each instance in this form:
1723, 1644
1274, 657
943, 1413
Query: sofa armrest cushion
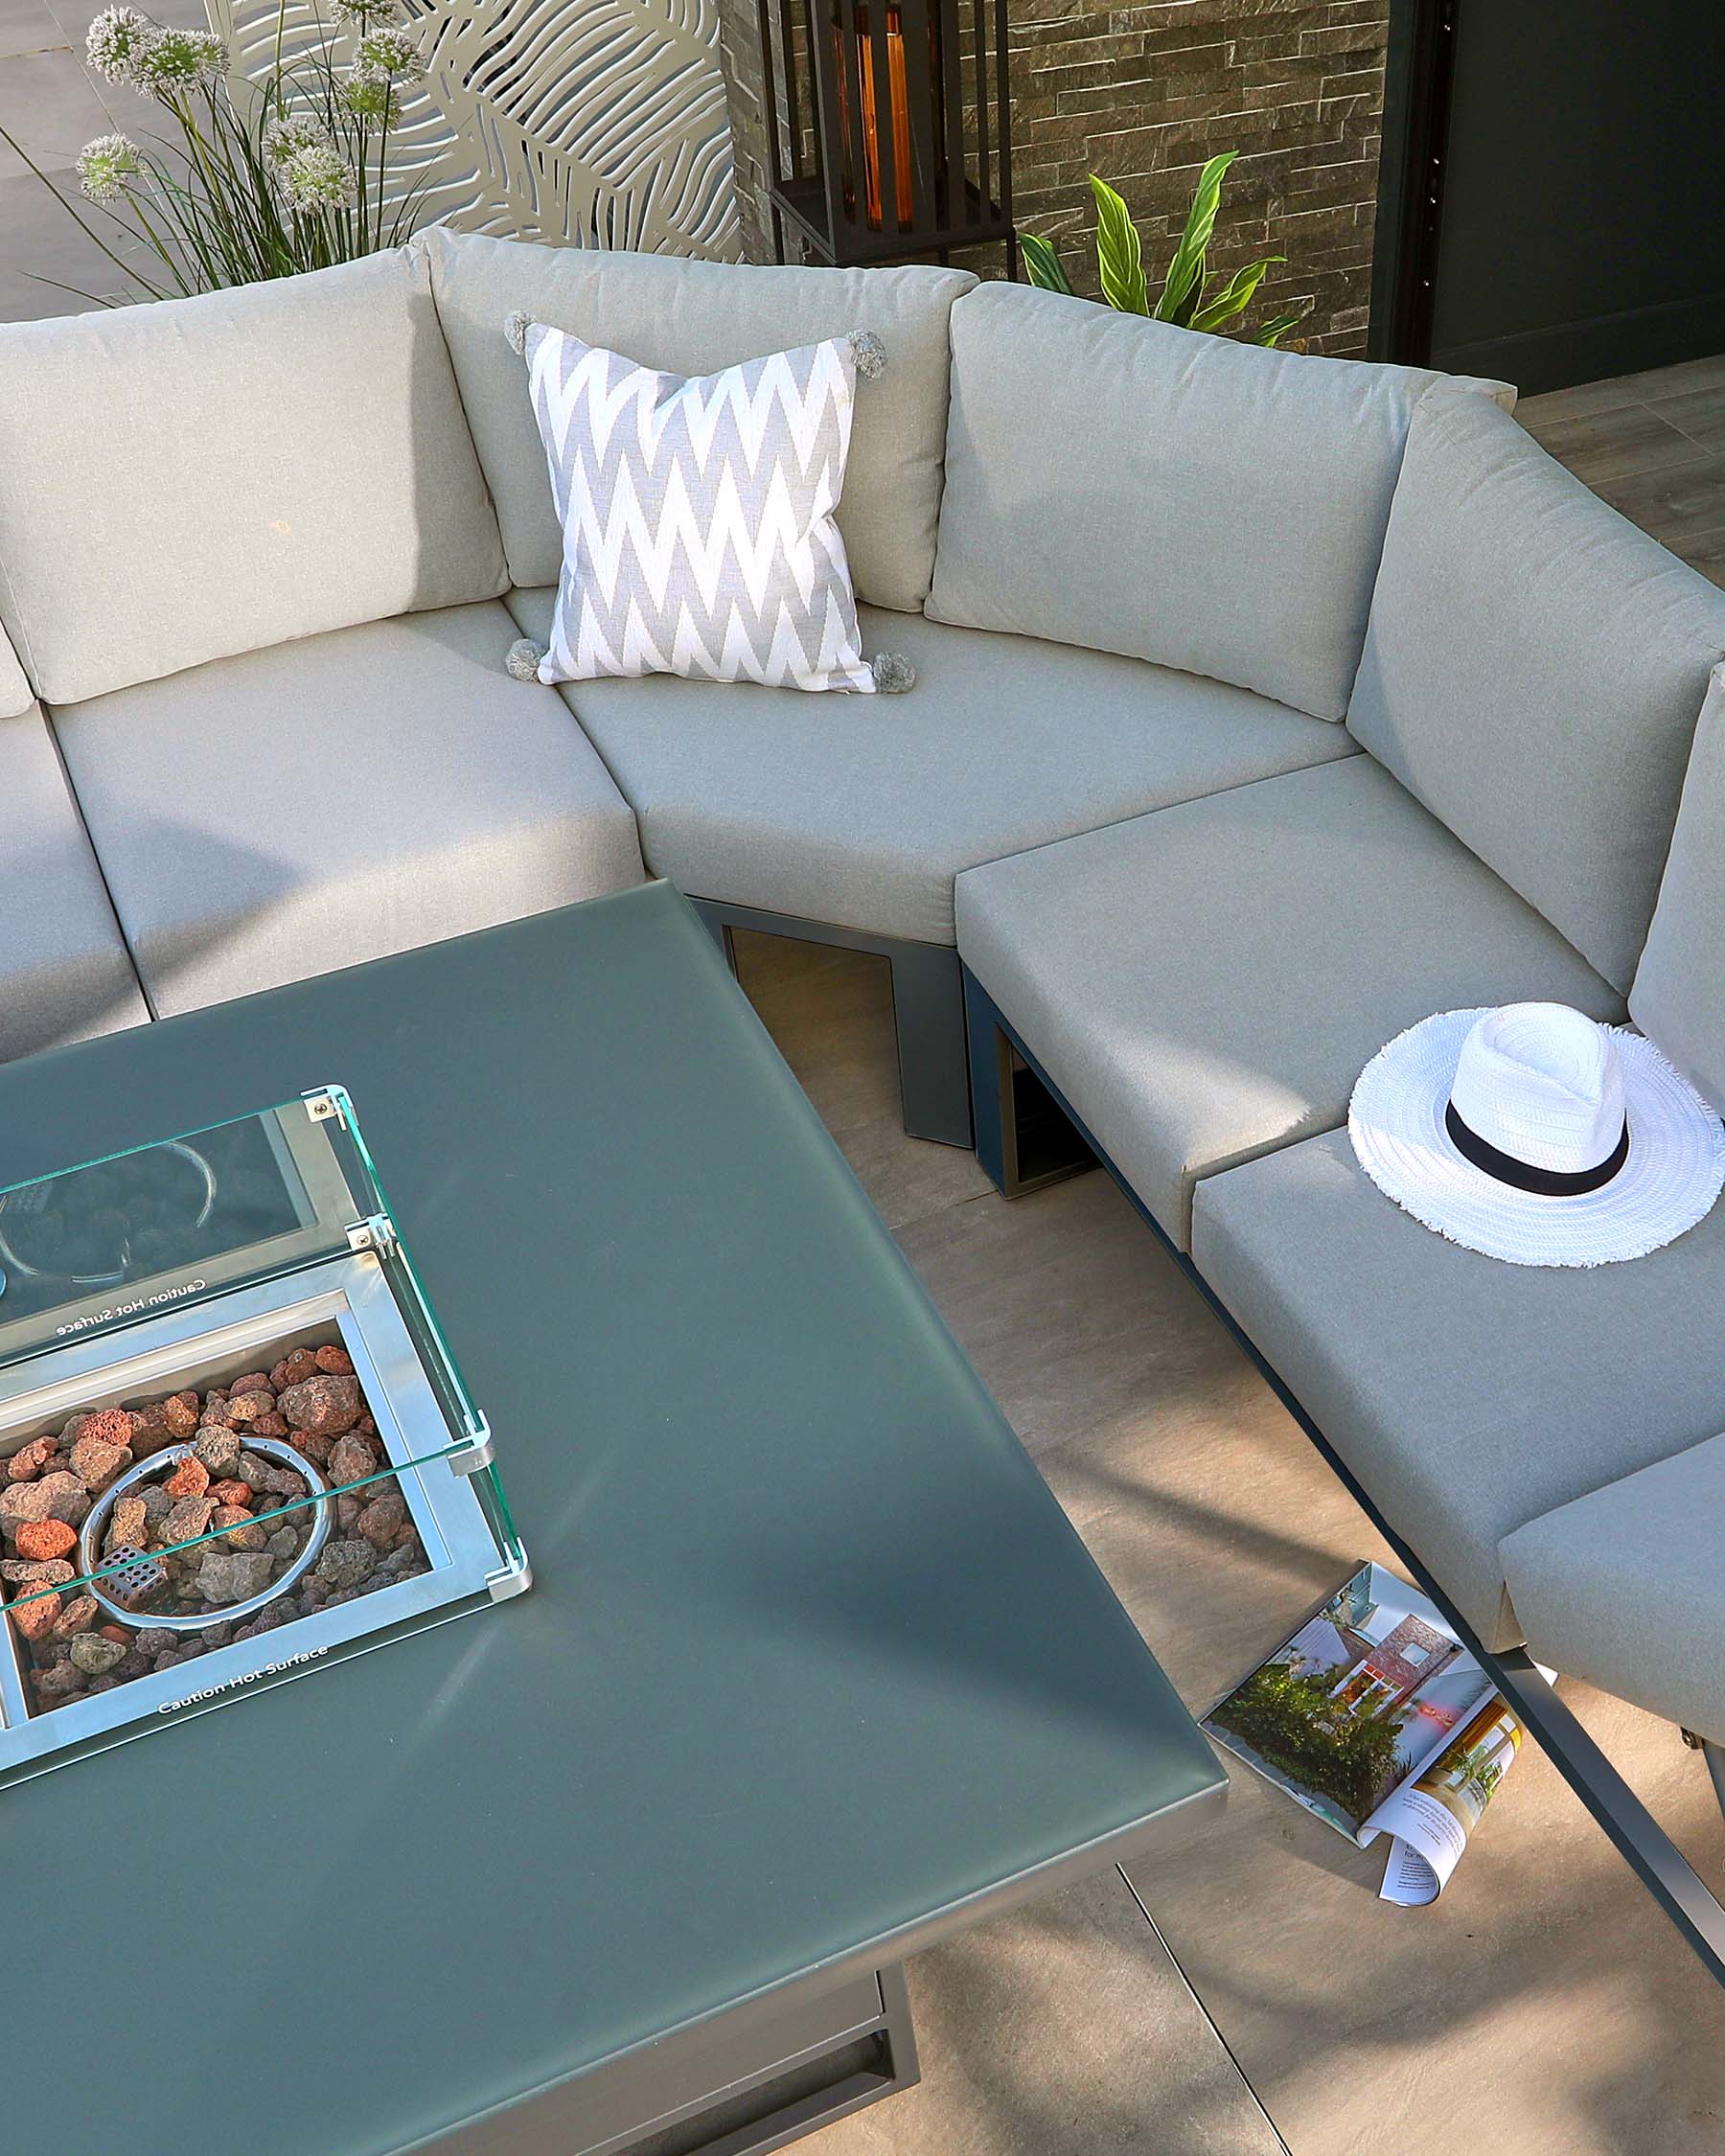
198, 477
1625, 1588
1533, 673
693, 318
1136, 488
1678, 997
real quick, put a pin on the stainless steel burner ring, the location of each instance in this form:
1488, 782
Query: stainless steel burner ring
89, 1540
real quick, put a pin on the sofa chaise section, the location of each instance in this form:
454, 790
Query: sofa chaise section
860, 810
1624, 1585
339, 799
65, 969
1468, 1397
1203, 985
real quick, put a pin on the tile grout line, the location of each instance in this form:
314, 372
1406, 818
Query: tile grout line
1192, 1993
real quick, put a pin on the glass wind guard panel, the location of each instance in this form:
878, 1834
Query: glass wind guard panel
233, 1441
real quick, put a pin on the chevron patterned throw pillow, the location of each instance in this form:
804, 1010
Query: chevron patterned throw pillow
698, 534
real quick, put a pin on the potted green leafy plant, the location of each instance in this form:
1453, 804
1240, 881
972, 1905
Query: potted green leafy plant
254, 179
1190, 296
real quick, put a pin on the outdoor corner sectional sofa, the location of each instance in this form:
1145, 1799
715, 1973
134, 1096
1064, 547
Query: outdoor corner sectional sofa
1266, 705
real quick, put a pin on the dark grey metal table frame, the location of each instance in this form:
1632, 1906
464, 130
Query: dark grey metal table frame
1028, 1136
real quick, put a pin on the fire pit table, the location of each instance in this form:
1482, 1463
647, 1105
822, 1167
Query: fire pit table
814, 1673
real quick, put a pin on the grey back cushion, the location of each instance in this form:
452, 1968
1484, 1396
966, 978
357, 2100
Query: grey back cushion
199, 477
1125, 485
1678, 999
1533, 673
693, 318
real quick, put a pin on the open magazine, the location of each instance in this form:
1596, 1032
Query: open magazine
1377, 1718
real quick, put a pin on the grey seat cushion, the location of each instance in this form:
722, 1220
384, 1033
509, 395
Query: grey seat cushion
196, 477
1469, 1397
267, 818
1205, 984
1678, 999
1126, 484
693, 318
1624, 1587
860, 811
65, 974
1533, 672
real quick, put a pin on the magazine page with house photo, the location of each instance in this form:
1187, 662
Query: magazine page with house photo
1376, 1719
1431, 1816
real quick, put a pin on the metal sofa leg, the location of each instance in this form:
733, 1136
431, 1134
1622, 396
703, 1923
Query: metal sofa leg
1024, 1138
928, 1008
1715, 1755
928, 1013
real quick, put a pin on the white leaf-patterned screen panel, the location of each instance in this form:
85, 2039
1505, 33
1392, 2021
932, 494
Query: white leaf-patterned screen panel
600, 123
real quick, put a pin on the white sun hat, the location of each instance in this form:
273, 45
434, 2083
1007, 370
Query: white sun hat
1536, 1135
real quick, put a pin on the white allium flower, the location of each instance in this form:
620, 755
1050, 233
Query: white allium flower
369, 94
116, 37
318, 177
392, 52
287, 137
169, 61
366, 14
105, 165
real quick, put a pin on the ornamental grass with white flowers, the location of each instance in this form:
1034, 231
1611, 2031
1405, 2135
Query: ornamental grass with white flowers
251, 180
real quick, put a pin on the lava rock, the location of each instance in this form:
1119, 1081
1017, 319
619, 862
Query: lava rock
129, 1521
254, 1380
34, 1619
236, 1577
352, 1458
109, 1425
337, 1361
284, 1543
44, 1539
153, 1639
54, 1496
180, 1415
189, 1519
271, 1425
96, 1655
345, 1564
49, 1572
216, 1452
29, 1461
63, 1680
326, 1405
243, 1531
382, 1519
96, 1462
150, 1431
248, 1407
191, 1479
293, 1369
83, 1615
